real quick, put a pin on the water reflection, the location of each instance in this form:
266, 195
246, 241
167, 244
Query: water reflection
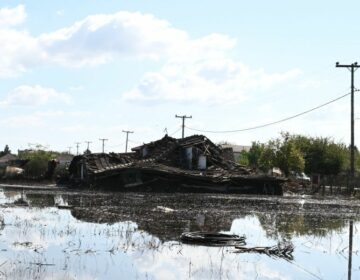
289, 225
351, 228
136, 235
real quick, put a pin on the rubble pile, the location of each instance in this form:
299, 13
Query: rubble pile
192, 164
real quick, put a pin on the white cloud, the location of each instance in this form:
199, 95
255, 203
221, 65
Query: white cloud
23, 121
77, 88
12, 16
19, 52
199, 69
18, 49
46, 119
99, 38
63, 114
78, 128
94, 40
205, 79
33, 96
60, 13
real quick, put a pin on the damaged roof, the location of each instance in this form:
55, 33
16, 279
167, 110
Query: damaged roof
162, 153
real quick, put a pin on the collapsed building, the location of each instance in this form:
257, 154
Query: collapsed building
192, 164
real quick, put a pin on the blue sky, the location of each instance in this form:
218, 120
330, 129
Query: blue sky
77, 71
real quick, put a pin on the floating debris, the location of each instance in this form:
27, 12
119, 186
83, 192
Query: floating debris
281, 250
27, 244
65, 206
212, 239
21, 202
163, 209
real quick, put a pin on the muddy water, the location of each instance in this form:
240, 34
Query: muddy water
82, 235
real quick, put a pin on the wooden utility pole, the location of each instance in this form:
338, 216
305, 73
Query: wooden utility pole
88, 145
69, 150
352, 68
127, 138
103, 144
77, 148
183, 122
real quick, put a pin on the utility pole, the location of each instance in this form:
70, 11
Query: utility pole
183, 122
69, 150
77, 148
103, 143
127, 138
88, 145
352, 68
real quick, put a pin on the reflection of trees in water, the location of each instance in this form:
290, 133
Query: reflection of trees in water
2, 222
40, 200
290, 225
37, 199
165, 217
11, 194
165, 225
32, 198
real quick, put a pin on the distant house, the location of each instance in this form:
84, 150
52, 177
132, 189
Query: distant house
9, 165
236, 150
275, 171
64, 159
7, 159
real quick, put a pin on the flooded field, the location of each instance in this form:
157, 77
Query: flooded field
83, 235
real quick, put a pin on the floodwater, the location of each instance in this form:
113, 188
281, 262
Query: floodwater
85, 235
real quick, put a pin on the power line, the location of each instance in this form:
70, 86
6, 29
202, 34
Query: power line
119, 145
271, 123
135, 142
176, 131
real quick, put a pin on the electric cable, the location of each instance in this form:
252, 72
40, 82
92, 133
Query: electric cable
176, 131
271, 123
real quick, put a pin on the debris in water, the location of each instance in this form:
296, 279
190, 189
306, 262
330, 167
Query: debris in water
212, 238
281, 250
21, 202
163, 209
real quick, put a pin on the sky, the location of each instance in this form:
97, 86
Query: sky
76, 71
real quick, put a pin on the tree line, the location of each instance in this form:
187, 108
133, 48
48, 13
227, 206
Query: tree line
35, 163
298, 153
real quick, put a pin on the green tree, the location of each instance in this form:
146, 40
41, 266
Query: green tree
289, 158
37, 162
321, 154
254, 154
267, 157
324, 156
244, 158
282, 153
6, 151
